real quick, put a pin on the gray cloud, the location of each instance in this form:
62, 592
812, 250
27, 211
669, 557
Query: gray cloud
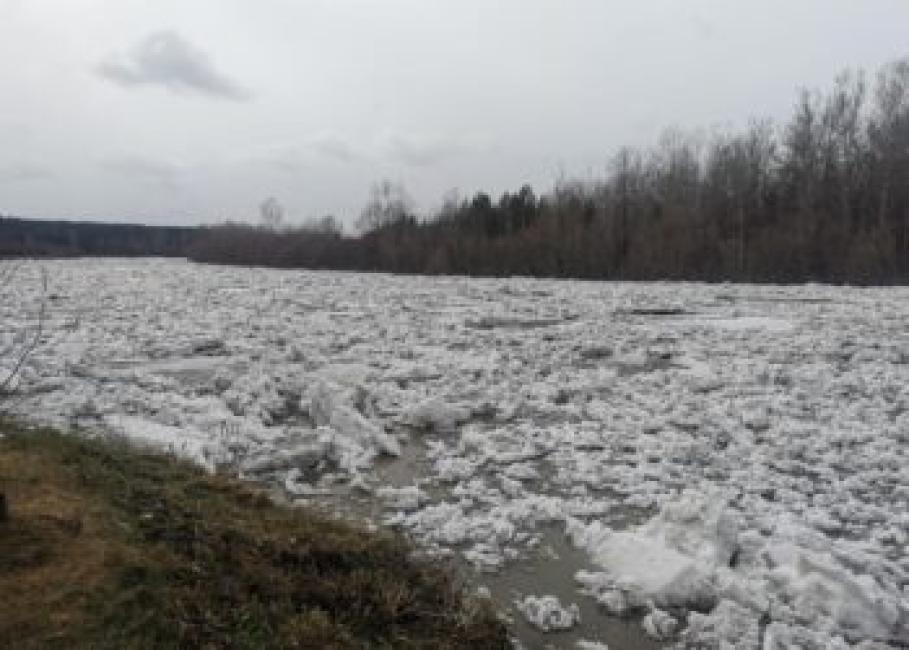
312, 150
285, 160
145, 169
166, 59
18, 172
418, 150
414, 150
702, 26
332, 146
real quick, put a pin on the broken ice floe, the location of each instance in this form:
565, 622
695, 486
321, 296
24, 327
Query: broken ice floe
522, 405
548, 614
692, 557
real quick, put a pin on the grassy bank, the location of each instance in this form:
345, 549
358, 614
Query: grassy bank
110, 547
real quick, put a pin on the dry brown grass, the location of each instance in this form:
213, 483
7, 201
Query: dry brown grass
54, 550
110, 548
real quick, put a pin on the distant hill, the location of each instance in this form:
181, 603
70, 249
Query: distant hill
32, 237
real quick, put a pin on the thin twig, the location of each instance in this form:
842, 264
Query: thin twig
8, 273
35, 341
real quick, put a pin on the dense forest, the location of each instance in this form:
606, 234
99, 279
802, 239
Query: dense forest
35, 238
823, 197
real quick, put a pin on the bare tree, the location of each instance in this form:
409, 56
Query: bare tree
17, 353
326, 225
889, 134
388, 204
822, 197
271, 213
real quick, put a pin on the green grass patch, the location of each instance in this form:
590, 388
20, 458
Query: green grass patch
107, 546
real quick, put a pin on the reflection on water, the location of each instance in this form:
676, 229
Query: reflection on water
551, 572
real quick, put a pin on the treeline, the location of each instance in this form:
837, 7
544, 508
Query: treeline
35, 238
824, 197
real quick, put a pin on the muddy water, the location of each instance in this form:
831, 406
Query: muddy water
548, 570
551, 572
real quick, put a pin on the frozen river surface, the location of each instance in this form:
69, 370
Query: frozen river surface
614, 463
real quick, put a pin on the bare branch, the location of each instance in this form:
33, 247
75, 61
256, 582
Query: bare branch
7, 273
32, 344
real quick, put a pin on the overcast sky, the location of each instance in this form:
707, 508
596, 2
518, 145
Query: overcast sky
189, 111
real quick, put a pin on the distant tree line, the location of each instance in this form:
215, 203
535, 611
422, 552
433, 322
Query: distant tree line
823, 197
37, 238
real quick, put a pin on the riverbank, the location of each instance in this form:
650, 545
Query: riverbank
110, 546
